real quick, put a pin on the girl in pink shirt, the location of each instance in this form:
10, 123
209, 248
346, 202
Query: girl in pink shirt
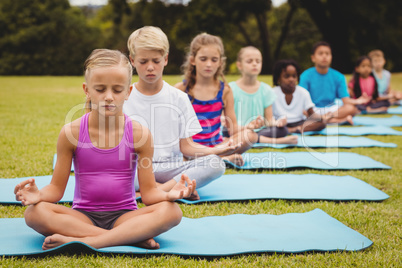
107, 148
363, 83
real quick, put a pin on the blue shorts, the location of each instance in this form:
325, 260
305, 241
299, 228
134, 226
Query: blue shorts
104, 219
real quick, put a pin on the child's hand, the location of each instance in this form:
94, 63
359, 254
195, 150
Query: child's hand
282, 122
326, 117
180, 190
227, 147
27, 192
256, 123
364, 98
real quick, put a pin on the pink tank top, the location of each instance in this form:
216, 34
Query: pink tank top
104, 178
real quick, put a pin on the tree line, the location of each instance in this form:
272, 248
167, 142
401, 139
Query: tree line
50, 37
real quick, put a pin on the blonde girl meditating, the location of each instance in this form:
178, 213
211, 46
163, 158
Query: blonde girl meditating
253, 100
106, 147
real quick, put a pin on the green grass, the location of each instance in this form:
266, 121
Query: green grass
33, 110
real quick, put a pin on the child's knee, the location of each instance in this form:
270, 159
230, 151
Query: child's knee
171, 212
32, 214
216, 166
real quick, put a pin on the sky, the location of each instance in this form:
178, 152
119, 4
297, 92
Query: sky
103, 2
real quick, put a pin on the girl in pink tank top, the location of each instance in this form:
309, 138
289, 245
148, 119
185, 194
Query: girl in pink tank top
106, 146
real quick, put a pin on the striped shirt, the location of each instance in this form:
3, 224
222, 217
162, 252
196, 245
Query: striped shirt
209, 115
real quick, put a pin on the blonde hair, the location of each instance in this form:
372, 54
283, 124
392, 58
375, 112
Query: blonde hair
242, 50
105, 58
150, 38
376, 53
198, 42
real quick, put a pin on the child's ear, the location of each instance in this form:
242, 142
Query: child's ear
191, 60
85, 88
131, 61
129, 92
238, 65
166, 59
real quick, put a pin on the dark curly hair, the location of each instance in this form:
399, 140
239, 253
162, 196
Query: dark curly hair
282, 65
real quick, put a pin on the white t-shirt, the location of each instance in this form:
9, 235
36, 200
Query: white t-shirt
294, 111
168, 115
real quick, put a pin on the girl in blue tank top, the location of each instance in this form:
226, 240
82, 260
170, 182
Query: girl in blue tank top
107, 148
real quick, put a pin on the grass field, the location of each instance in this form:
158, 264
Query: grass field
33, 110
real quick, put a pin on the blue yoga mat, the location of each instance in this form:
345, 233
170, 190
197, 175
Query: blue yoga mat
212, 236
329, 142
7, 188
237, 187
356, 131
314, 160
395, 110
393, 121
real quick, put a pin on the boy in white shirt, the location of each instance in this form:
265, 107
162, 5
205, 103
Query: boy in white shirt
169, 115
293, 101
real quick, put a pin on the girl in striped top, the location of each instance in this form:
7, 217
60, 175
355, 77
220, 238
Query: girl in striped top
211, 97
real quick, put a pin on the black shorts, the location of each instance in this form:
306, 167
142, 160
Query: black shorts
373, 105
104, 219
296, 124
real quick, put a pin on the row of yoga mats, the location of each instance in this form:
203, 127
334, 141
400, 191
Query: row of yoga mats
313, 231
296, 160
240, 233
240, 187
393, 121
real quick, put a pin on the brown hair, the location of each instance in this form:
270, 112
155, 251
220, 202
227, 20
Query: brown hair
198, 42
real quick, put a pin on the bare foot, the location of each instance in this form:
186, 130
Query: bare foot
56, 240
149, 244
349, 119
194, 196
236, 159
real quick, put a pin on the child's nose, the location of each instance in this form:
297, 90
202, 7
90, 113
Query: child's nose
109, 95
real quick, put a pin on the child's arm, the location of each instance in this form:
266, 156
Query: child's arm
229, 112
28, 193
192, 149
150, 193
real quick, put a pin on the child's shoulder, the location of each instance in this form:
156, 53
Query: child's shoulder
181, 85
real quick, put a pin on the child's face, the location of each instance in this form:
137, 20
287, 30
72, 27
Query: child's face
108, 88
251, 62
288, 79
378, 63
149, 65
322, 57
207, 61
364, 68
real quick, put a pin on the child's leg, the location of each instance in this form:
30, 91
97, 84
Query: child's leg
203, 170
48, 218
378, 107
277, 135
345, 113
130, 228
311, 125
